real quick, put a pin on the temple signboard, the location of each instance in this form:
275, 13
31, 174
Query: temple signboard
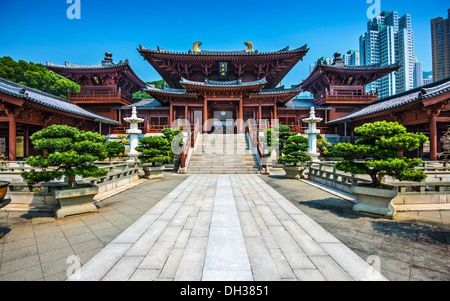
223, 70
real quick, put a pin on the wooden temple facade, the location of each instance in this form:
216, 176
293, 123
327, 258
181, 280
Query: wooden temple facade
215, 88
425, 109
24, 111
102, 86
224, 89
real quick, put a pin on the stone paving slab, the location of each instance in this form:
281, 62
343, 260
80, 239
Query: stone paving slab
225, 227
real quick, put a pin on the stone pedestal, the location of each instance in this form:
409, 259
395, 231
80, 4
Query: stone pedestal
134, 132
312, 132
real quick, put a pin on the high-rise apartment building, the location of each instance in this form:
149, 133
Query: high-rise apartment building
352, 58
440, 41
389, 39
418, 73
324, 60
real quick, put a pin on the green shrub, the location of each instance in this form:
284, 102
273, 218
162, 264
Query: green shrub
113, 149
381, 146
69, 152
294, 150
154, 149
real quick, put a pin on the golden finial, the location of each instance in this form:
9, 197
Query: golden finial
250, 46
196, 44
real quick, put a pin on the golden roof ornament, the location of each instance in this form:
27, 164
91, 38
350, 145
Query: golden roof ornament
250, 46
195, 48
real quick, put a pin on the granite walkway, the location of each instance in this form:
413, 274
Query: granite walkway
227, 228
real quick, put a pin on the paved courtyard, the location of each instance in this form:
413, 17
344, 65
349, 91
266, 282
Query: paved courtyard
219, 227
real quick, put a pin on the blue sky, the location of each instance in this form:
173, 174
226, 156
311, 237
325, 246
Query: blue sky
40, 31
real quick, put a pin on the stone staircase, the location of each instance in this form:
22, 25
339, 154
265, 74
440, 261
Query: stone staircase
223, 154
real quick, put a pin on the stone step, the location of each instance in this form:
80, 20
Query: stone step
226, 165
235, 171
217, 169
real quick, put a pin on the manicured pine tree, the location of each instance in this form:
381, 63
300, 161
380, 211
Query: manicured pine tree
113, 149
294, 150
68, 152
377, 154
154, 149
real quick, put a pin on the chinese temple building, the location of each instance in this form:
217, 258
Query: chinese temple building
343, 87
425, 109
24, 111
223, 85
220, 88
102, 86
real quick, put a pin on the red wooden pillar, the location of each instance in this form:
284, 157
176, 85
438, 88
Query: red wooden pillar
241, 116
12, 139
170, 113
186, 113
259, 114
433, 139
205, 114
275, 114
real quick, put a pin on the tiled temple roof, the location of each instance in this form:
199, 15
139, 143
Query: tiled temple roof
147, 104
103, 65
373, 67
279, 90
213, 83
223, 53
299, 103
168, 90
398, 100
50, 101
106, 65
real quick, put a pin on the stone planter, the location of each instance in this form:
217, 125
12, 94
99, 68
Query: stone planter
375, 200
294, 172
3, 189
153, 172
75, 201
277, 165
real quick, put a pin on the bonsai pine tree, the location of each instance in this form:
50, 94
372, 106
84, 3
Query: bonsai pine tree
294, 150
69, 152
154, 149
323, 145
277, 138
380, 148
113, 149
172, 137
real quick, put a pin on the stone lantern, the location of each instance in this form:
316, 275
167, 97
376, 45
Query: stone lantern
134, 131
312, 132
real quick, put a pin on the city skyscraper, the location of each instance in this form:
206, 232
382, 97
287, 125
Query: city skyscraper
323, 59
389, 39
352, 58
418, 73
440, 41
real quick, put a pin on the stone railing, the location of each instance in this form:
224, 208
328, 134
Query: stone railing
20, 192
434, 190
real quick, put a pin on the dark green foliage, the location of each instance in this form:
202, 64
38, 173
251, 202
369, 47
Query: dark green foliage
381, 146
36, 76
113, 149
154, 149
323, 146
143, 95
140, 95
294, 150
175, 142
69, 152
277, 137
